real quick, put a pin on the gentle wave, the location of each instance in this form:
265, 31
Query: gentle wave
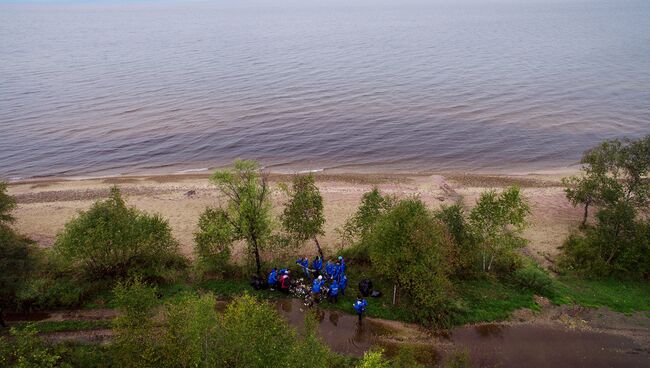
360, 86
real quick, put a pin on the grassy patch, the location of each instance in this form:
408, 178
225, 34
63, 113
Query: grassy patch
486, 300
617, 295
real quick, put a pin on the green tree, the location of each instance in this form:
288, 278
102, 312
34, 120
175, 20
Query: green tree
373, 359
7, 204
373, 205
497, 221
303, 214
411, 248
465, 250
213, 241
254, 335
134, 343
26, 350
190, 332
111, 240
615, 180
15, 259
613, 171
246, 214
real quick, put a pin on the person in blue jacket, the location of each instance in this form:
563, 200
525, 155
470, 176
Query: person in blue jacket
342, 265
317, 265
272, 280
304, 264
343, 283
334, 292
360, 307
330, 269
316, 288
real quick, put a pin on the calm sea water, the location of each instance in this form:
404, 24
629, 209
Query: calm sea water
476, 85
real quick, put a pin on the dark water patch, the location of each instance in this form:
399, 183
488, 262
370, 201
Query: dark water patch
26, 316
495, 345
340, 331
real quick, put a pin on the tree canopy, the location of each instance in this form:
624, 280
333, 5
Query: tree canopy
112, 240
245, 214
303, 217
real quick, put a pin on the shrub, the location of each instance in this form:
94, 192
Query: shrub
303, 217
134, 344
411, 248
26, 350
373, 359
497, 222
191, 332
112, 241
534, 279
254, 335
465, 250
213, 241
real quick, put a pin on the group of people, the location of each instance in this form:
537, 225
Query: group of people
328, 280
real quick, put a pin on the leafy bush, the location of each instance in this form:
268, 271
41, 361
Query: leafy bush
411, 248
113, 241
135, 342
497, 221
213, 241
15, 259
465, 250
534, 279
26, 350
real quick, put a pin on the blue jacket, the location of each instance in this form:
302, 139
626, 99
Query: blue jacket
316, 286
334, 288
360, 306
317, 264
273, 277
342, 266
304, 263
343, 281
283, 271
330, 268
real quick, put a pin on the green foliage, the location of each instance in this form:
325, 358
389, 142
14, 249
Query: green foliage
373, 206
457, 359
303, 217
7, 204
254, 335
15, 263
214, 241
497, 222
246, 214
133, 345
625, 296
617, 246
112, 241
490, 299
533, 278
26, 350
373, 359
465, 250
190, 333
67, 325
409, 246
615, 180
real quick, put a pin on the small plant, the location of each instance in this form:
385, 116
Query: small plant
534, 279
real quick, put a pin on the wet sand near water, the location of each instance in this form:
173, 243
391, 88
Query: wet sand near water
44, 206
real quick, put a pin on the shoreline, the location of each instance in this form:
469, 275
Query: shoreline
45, 205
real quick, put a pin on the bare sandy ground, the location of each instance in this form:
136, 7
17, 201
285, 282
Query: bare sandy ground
44, 206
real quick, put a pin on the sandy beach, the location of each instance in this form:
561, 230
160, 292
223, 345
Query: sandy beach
44, 206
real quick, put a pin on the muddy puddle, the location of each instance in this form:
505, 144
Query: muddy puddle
532, 346
488, 345
340, 331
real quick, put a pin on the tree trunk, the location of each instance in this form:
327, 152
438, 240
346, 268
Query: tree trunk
585, 215
320, 251
490, 264
394, 293
256, 251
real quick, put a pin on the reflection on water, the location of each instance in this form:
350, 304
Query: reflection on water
340, 331
532, 346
